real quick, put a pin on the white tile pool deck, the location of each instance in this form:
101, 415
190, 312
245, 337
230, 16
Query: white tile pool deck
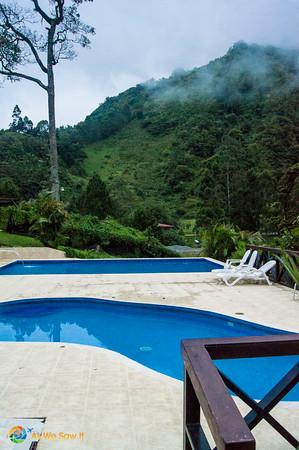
117, 403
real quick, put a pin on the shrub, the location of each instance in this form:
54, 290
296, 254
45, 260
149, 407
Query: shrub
49, 217
8, 188
83, 254
20, 218
3, 217
84, 231
290, 239
224, 241
147, 217
219, 241
43, 217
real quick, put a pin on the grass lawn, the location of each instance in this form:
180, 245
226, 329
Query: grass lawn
17, 240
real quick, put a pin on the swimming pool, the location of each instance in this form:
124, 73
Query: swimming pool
148, 334
112, 266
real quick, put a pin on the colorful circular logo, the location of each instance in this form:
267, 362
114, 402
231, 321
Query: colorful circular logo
17, 434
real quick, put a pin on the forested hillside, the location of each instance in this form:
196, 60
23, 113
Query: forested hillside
218, 143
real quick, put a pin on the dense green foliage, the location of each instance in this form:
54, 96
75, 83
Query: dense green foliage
117, 239
48, 220
291, 267
148, 217
219, 241
71, 252
223, 241
43, 216
8, 189
95, 199
216, 145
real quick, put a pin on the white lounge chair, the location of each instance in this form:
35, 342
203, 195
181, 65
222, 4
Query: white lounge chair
230, 263
241, 266
251, 274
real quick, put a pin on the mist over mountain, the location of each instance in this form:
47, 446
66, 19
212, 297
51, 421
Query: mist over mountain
218, 143
245, 72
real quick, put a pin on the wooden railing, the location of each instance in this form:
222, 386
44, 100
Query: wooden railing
205, 389
279, 275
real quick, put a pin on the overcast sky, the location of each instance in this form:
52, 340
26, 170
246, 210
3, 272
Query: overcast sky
140, 39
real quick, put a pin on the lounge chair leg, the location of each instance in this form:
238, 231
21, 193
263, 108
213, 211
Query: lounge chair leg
235, 282
267, 279
225, 281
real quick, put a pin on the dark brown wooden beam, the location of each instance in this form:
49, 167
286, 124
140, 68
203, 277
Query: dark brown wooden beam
207, 389
248, 346
227, 426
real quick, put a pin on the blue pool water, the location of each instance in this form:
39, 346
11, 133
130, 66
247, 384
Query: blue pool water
167, 265
148, 334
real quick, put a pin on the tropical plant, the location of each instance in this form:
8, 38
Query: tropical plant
290, 239
245, 238
219, 241
83, 254
49, 217
291, 266
8, 188
42, 217
20, 217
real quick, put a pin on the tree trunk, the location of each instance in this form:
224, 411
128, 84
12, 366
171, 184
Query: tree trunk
228, 193
55, 187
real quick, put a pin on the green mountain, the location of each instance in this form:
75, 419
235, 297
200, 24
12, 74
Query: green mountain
217, 143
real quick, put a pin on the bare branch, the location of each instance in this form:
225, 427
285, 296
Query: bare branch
23, 38
12, 74
41, 12
59, 11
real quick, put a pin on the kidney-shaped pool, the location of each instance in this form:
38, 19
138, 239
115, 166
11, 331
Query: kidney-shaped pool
148, 334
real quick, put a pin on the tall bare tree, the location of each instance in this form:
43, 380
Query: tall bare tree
43, 36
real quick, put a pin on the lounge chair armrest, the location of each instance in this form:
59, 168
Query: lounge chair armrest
232, 260
252, 269
232, 263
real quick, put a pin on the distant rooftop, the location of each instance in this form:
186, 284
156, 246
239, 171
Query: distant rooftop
165, 225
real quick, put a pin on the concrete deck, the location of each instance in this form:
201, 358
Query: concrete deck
117, 403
